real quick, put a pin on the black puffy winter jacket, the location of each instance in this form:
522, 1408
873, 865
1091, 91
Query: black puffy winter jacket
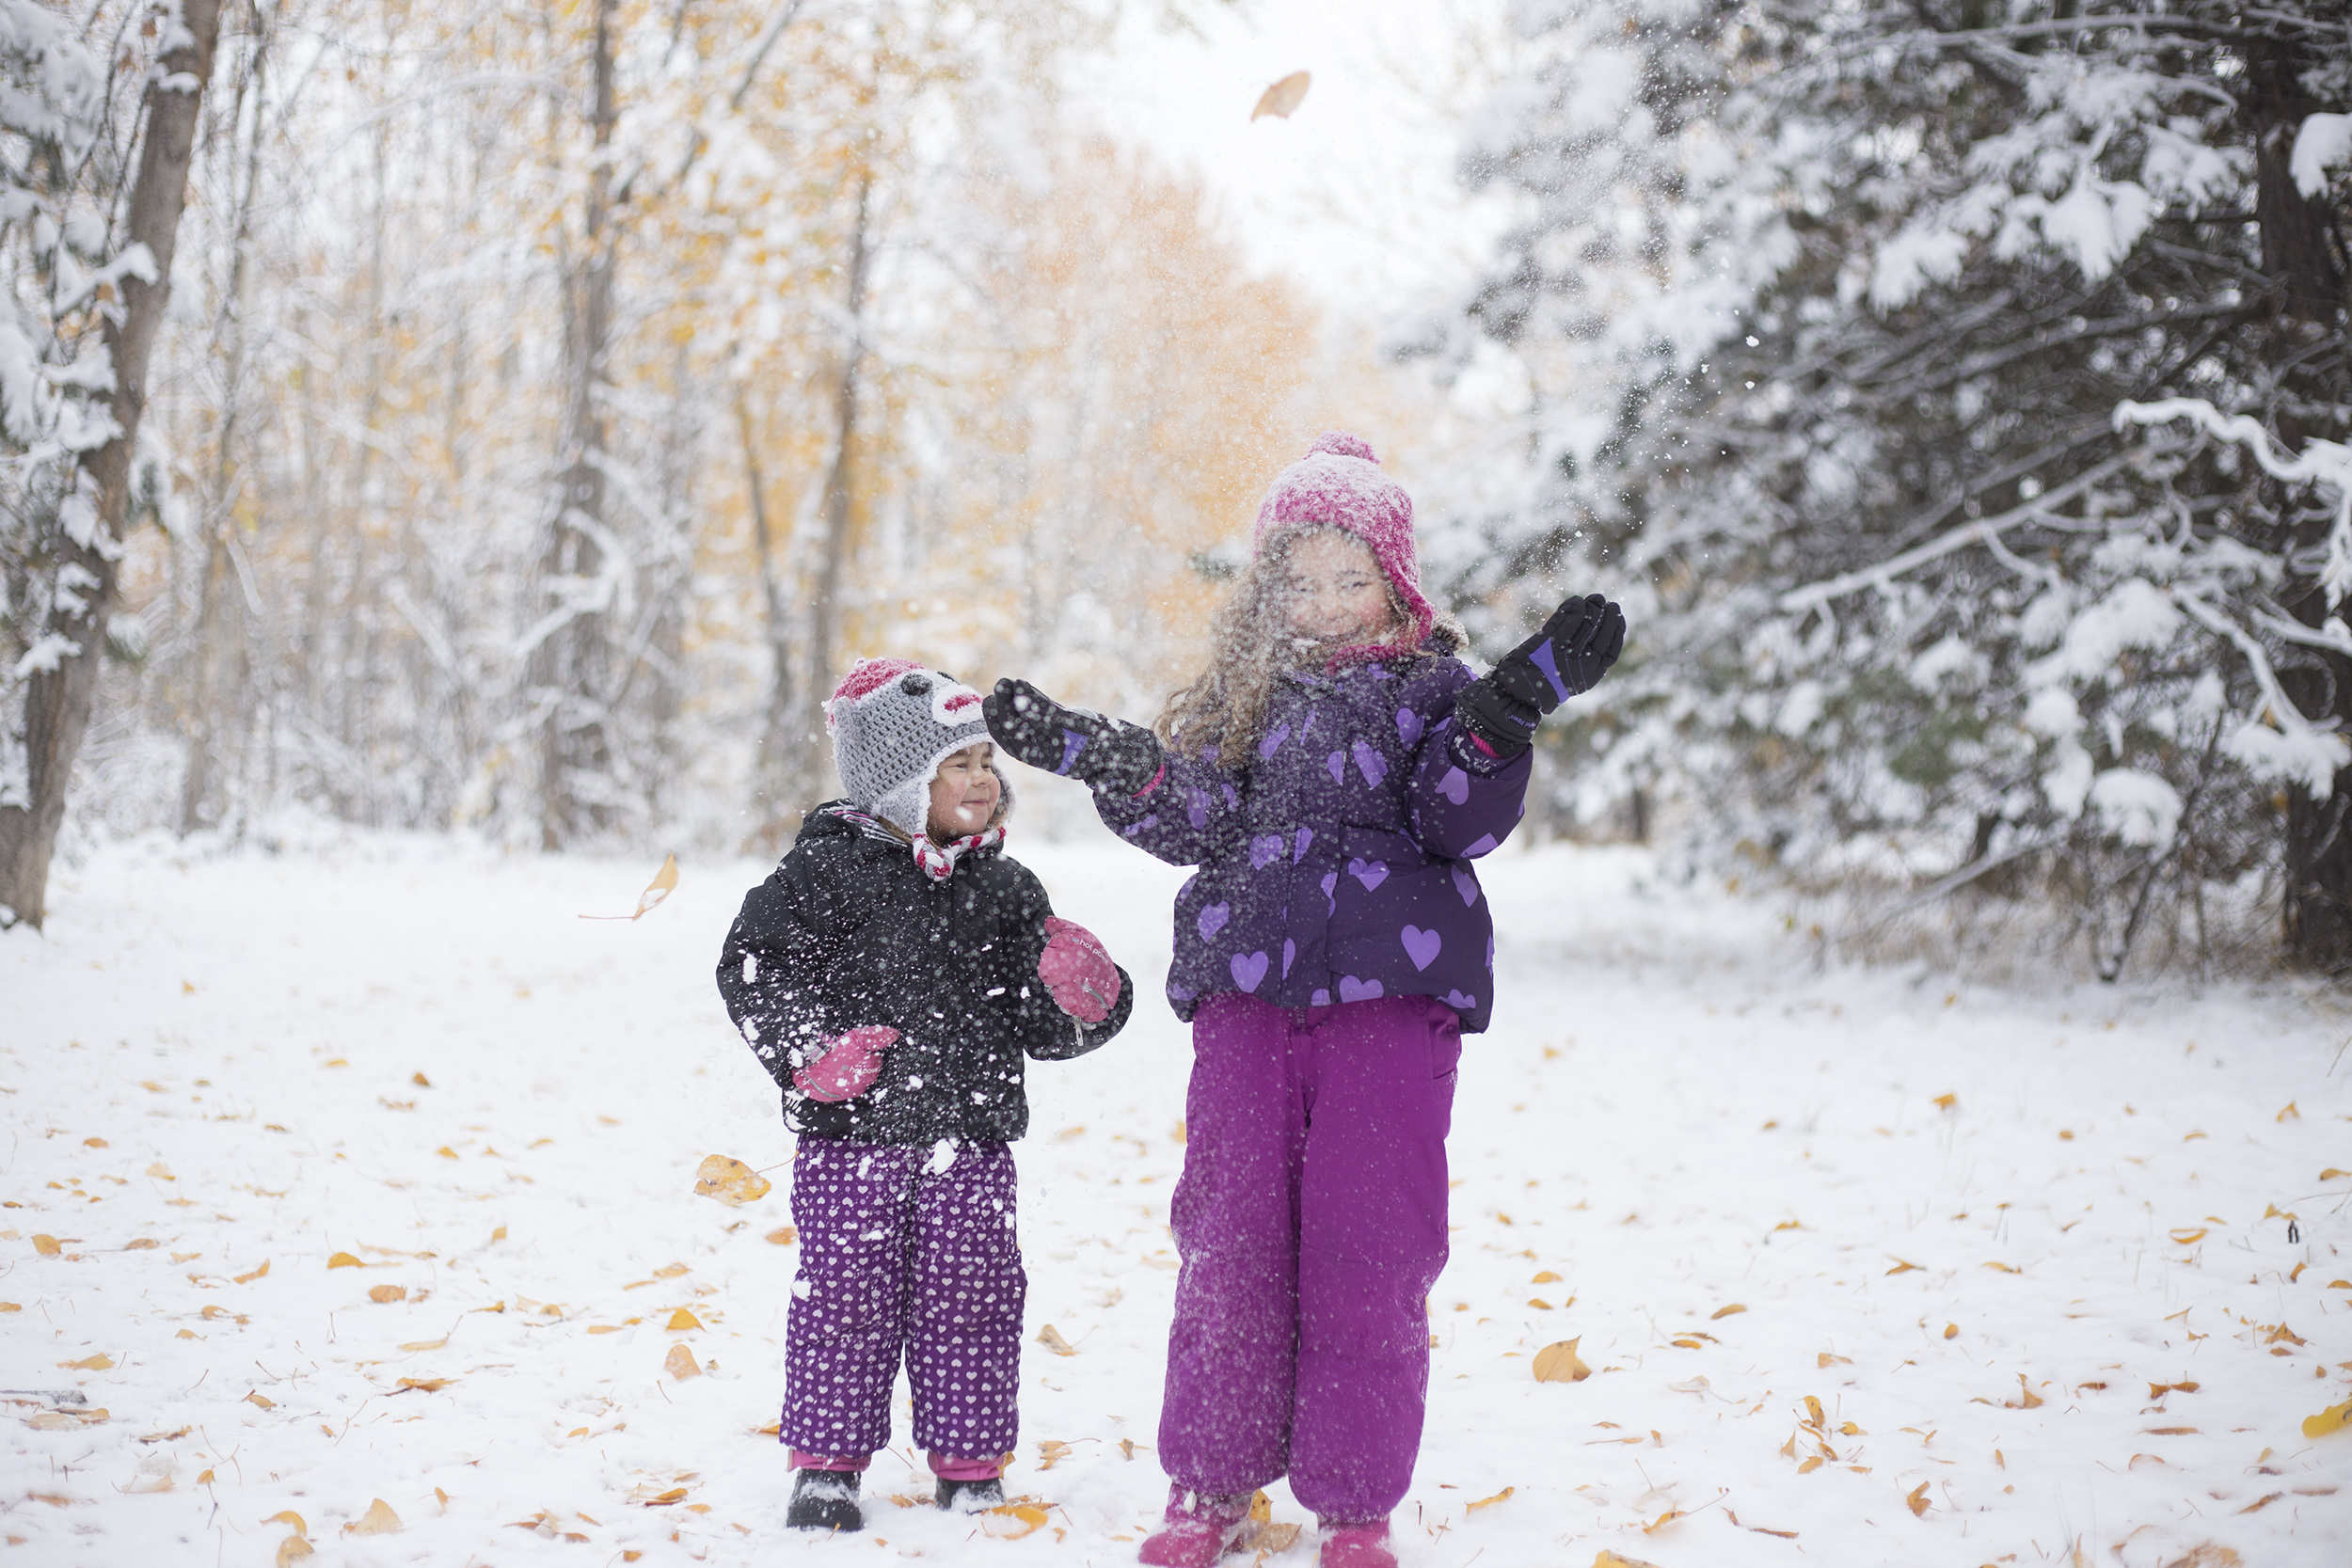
849, 931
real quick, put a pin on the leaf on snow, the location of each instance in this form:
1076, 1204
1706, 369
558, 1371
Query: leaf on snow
1284, 98
680, 1363
1725, 1311
344, 1260
1051, 1339
1490, 1502
2332, 1419
1918, 1501
664, 881
729, 1180
1558, 1362
378, 1520
681, 1320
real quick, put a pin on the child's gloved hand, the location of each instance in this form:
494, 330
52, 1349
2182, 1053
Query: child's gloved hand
851, 1067
1106, 755
1570, 654
1078, 971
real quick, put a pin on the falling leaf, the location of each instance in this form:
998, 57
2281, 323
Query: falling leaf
1918, 1501
1945, 1102
46, 1245
344, 1260
731, 1182
784, 1235
99, 1363
249, 1278
1051, 1339
1725, 1311
1901, 1267
378, 1520
1283, 99
383, 1294
681, 1320
1490, 1502
680, 1363
1558, 1362
664, 880
2330, 1419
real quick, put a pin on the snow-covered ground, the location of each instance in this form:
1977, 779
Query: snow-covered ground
1742, 1172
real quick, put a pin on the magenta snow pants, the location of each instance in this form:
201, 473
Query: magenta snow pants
1312, 1221
901, 1254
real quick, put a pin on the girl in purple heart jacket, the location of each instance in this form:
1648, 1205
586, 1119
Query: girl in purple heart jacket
1334, 773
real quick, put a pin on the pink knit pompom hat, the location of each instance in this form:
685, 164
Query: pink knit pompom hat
1338, 484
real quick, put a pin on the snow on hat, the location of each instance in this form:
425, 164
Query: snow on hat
1338, 484
893, 723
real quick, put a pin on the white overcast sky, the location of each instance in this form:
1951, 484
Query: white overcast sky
1355, 195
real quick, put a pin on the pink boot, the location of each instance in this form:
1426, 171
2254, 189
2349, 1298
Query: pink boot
1202, 1527
1357, 1546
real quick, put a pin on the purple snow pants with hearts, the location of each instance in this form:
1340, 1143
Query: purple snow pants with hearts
1312, 1221
896, 1256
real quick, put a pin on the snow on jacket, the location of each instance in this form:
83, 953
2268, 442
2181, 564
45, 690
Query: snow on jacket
1336, 866
849, 930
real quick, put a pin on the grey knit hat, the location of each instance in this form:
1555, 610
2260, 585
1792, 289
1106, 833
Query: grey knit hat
893, 723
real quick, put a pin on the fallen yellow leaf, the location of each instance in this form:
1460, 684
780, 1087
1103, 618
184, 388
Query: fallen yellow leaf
681, 1320
669, 1271
1725, 1311
2328, 1420
378, 1520
446, 1152
161, 1172
1490, 1502
293, 1549
426, 1385
1662, 1521
664, 881
1284, 98
344, 1260
382, 1293
2332, 1172
1945, 1102
1051, 1339
662, 1500
257, 1397
1918, 1501
1547, 1278
2184, 1237
99, 1363
680, 1363
1901, 1267
426, 1344
1012, 1521
731, 1182
46, 1245
288, 1516
1610, 1560
1951, 1331
1558, 1362
784, 1235
1824, 1359
249, 1278
1273, 1539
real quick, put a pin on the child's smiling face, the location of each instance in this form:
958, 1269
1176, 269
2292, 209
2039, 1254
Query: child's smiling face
965, 792
1334, 590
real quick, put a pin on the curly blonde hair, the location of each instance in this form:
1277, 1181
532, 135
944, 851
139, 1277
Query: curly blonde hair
1223, 710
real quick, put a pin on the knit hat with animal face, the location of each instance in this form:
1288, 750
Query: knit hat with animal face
893, 723
1338, 484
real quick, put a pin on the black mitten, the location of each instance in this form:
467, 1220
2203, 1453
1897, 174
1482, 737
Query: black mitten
1106, 754
1578, 644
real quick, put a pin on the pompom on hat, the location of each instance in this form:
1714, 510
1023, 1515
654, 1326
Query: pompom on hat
893, 723
1338, 484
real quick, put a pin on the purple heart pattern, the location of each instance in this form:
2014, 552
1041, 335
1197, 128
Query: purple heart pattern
1248, 969
1213, 919
1420, 945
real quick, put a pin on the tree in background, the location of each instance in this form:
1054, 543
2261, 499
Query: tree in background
90, 231
1831, 313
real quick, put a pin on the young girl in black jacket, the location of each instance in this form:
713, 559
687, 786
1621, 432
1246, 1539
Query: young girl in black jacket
892, 975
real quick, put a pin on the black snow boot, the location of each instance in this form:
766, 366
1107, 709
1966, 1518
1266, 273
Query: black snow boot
826, 1501
970, 1497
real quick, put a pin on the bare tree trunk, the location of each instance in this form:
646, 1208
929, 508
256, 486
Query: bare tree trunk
2298, 250
569, 667
824, 620
57, 701
771, 769
222, 655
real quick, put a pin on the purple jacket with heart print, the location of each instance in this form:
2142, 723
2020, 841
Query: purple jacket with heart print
1336, 866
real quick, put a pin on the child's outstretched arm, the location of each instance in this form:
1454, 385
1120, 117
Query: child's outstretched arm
1072, 996
773, 970
1180, 810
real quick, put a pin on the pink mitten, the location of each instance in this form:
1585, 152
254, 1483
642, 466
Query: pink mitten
1077, 971
851, 1067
